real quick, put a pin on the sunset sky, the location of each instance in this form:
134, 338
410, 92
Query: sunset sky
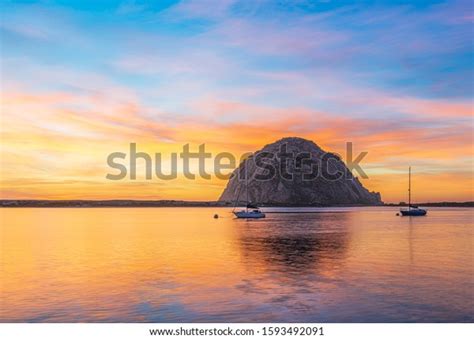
80, 80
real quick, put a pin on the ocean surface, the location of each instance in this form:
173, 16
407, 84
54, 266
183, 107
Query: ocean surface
182, 265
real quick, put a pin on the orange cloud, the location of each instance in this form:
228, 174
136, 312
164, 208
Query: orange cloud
55, 145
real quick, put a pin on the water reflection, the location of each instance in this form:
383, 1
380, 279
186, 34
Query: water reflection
295, 244
410, 240
181, 265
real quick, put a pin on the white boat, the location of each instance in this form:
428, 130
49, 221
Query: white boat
251, 211
246, 214
412, 210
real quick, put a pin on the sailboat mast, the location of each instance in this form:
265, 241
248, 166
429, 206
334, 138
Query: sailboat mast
409, 187
246, 186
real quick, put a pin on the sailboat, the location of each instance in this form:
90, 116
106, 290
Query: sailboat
412, 210
251, 211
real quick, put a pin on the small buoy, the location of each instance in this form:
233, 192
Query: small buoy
216, 216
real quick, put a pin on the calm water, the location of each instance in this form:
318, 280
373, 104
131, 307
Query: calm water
180, 264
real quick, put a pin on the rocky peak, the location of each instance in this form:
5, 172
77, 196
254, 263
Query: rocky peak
304, 175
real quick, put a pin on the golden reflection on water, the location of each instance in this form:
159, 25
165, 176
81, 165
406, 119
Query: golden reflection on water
180, 264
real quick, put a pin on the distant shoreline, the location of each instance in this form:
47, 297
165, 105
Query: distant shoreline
181, 203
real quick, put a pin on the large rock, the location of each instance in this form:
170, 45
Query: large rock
325, 189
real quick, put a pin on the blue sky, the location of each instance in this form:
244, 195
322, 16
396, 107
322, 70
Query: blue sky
368, 71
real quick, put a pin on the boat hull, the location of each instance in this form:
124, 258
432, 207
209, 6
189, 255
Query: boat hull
249, 215
413, 213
